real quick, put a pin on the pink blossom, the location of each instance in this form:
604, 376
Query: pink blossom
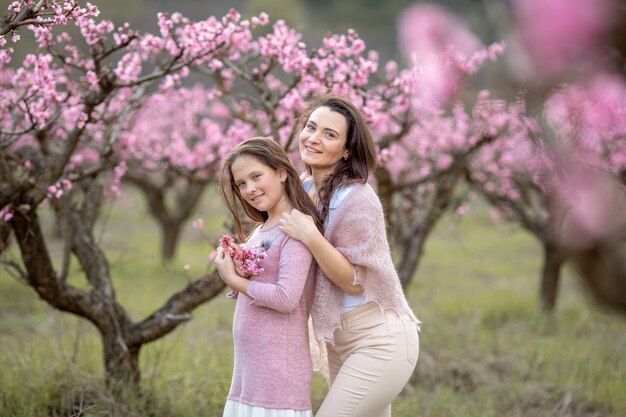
261, 20
444, 161
114, 184
248, 260
129, 67
558, 33
198, 224
92, 79
55, 191
590, 119
5, 55
60, 19
428, 35
589, 208
14, 7
462, 210
6, 213
43, 36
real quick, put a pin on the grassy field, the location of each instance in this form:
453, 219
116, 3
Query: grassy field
486, 349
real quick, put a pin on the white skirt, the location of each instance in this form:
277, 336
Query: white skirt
237, 409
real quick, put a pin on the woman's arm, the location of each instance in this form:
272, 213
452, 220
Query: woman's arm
332, 262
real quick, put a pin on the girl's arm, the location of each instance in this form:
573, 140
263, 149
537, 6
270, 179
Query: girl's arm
332, 262
284, 295
226, 268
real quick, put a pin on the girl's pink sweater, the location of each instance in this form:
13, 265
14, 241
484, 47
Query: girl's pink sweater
272, 367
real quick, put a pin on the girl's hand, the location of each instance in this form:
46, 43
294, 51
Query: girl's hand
228, 272
225, 266
238, 269
298, 225
240, 272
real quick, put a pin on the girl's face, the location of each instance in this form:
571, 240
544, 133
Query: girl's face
260, 186
323, 140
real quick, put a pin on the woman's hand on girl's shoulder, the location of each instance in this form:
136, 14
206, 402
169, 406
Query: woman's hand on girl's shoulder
298, 225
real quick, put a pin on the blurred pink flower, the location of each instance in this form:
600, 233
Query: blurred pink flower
589, 209
6, 213
431, 28
558, 33
429, 37
590, 118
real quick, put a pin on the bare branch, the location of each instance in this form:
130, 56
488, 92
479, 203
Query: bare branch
15, 270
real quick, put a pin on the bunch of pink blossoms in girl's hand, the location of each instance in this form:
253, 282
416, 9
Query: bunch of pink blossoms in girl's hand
247, 260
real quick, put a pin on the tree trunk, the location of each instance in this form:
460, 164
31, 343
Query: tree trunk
384, 184
603, 270
98, 306
170, 219
418, 232
411, 256
552, 261
5, 234
121, 363
121, 338
170, 231
39, 268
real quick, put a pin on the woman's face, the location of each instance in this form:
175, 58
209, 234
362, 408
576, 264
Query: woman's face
323, 140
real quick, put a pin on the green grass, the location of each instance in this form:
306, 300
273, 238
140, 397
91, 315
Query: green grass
485, 348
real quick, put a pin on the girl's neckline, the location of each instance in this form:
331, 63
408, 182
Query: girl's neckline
265, 227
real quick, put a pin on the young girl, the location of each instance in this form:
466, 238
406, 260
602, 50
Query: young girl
272, 371
360, 311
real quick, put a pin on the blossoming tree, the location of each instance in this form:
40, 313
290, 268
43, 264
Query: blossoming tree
172, 145
556, 182
589, 120
61, 117
74, 122
257, 85
261, 84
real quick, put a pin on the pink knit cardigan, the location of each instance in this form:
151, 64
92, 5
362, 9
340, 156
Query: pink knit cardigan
357, 229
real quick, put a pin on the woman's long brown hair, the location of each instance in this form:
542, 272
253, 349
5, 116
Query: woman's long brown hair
268, 152
362, 158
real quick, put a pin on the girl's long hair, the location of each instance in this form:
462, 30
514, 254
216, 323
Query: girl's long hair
268, 152
362, 159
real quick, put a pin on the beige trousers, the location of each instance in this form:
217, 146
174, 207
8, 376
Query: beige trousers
374, 356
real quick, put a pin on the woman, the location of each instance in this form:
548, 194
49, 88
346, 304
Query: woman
360, 312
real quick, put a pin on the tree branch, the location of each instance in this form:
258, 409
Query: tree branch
176, 310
